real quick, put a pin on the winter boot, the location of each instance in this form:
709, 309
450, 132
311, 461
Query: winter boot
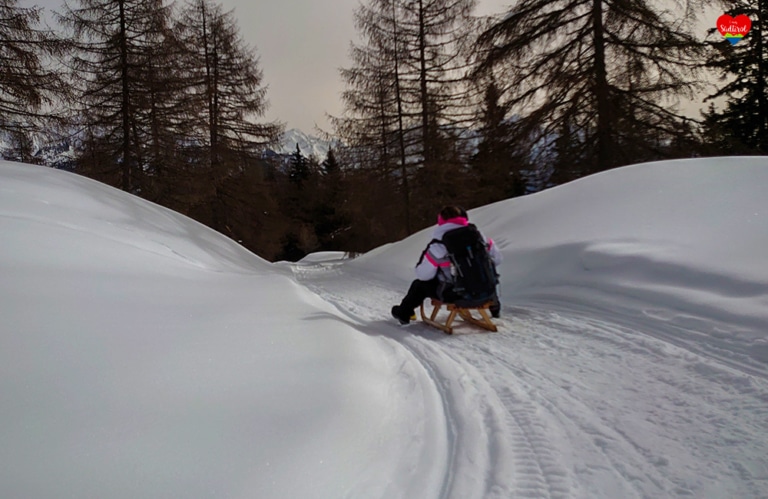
403, 316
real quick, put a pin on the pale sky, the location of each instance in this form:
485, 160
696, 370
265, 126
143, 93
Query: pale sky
301, 44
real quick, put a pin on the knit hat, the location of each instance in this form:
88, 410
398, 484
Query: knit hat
452, 214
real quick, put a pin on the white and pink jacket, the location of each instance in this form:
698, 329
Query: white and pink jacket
435, 261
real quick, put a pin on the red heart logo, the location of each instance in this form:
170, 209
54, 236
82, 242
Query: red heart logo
733, 28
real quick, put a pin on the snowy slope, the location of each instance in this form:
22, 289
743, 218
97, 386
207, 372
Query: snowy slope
308, 144
143, 355
681, 242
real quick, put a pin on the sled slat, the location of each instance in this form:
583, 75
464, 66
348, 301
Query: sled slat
465, 313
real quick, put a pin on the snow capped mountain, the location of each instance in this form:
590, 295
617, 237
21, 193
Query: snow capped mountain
309, 145
59, 153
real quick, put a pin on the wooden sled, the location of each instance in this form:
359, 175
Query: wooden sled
464, 312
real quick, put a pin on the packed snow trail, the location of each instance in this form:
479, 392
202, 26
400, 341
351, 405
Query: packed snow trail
560, 404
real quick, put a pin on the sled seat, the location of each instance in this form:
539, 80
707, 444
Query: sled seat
463, 311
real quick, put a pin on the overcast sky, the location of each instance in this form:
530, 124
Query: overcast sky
301, 44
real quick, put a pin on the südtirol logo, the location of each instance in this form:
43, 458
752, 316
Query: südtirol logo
733, 28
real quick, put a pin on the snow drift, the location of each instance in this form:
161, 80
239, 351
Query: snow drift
144, 355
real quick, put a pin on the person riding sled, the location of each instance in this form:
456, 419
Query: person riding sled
436, 269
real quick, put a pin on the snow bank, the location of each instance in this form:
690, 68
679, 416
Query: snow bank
144, 355
680, 240
325, 257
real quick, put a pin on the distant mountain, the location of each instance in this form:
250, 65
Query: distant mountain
60, 153
308, 145
56, 153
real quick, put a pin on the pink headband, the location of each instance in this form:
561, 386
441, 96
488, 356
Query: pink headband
456, 220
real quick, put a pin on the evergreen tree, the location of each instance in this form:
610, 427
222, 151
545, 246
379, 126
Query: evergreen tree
301, 197
330, 164
742, 126
568, 153
299, 170
330, 214
498, 162
257, 221
607, 71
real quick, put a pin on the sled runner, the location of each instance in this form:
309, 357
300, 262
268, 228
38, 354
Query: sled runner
464, 312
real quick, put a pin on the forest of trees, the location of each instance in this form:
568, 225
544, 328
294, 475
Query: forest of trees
166, 101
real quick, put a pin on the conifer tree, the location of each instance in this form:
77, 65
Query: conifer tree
329, 209
330, 164
608, 71
228, 97
115, 40
161, 128
499, 160
436, 36
30, 87
373, 127
406, 98
741, 127
299, 171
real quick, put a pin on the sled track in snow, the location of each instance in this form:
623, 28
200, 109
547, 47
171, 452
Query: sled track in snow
532, 397
497, 449
562, 405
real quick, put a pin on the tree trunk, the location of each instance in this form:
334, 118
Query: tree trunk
762, 99
400, 131
126, 167
424, 95
604, 144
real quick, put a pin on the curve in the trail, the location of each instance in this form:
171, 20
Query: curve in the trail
492, 452
564, 405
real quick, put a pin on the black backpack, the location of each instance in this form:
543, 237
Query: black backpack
473, 271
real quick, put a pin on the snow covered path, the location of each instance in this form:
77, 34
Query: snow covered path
570, 404
145, 355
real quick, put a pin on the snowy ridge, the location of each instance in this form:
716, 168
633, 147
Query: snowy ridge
61, 153
139, 347
308, 145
